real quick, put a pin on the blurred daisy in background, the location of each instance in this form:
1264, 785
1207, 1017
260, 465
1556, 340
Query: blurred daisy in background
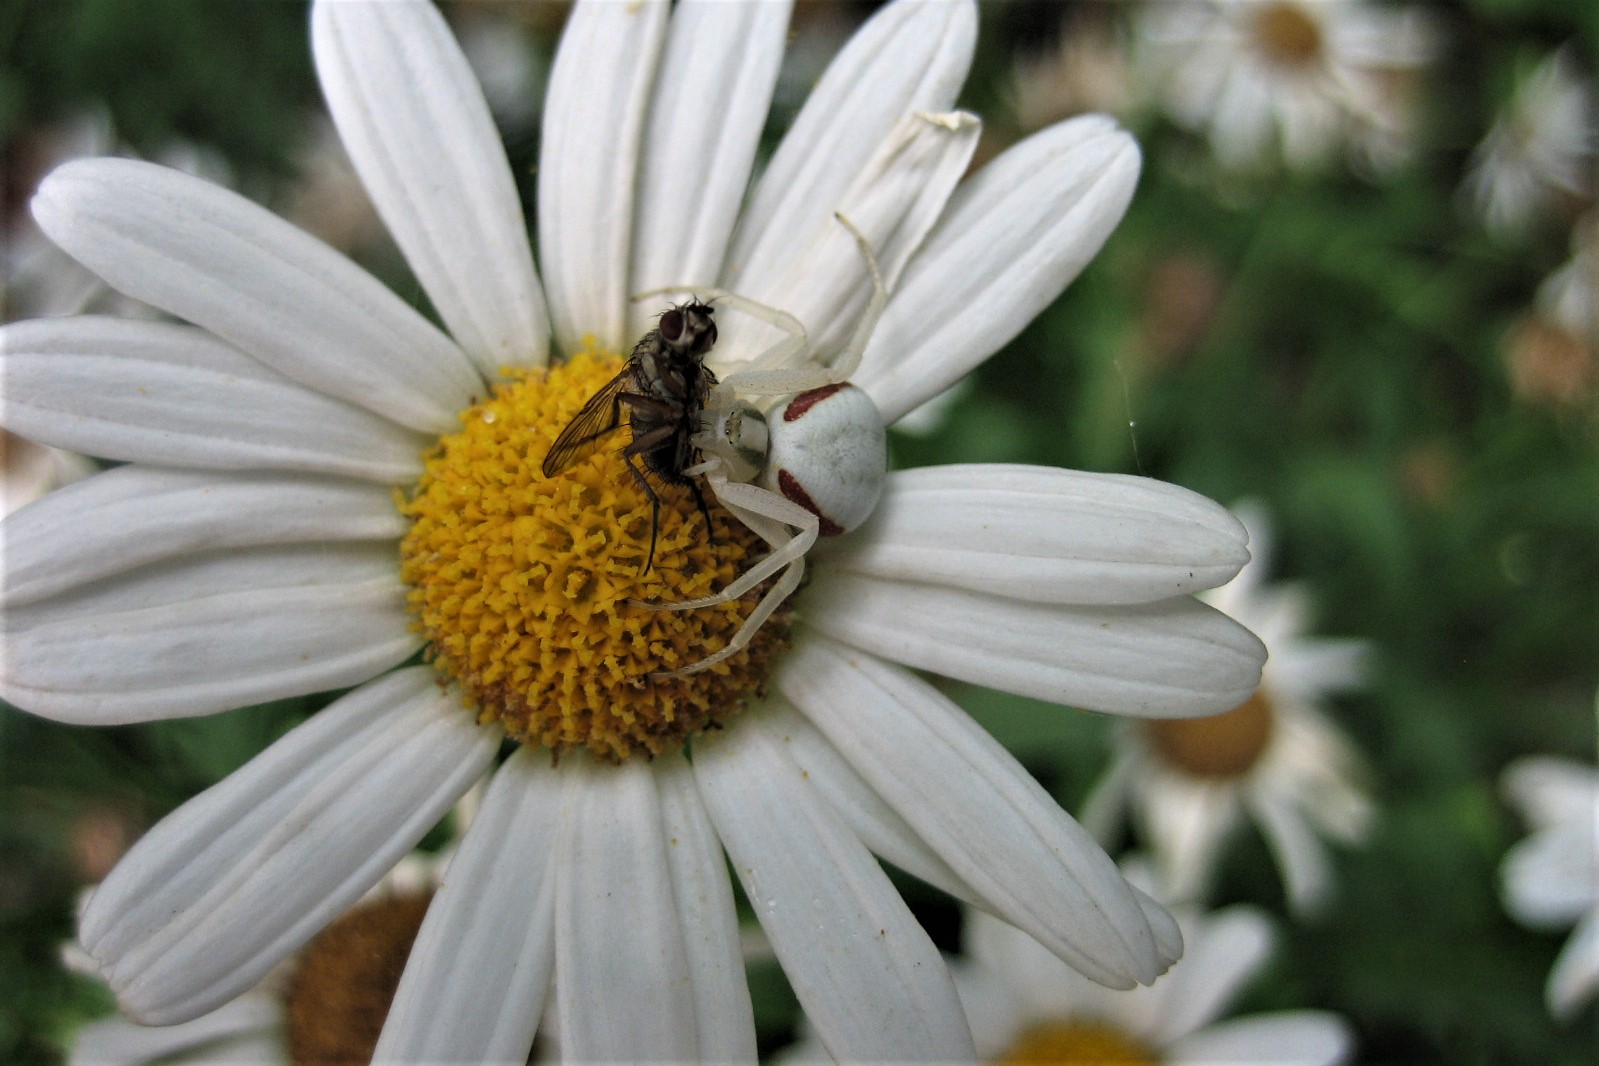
1537, 160
1551, 879
325, 1004
1084, 71
1274, 760
1024, 1006
1291, 78
255, 548
1552, 353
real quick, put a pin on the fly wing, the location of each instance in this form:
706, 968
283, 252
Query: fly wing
599, 417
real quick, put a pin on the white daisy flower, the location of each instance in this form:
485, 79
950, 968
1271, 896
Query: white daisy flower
1552, 353
1540, 150
1025, 1006
1295, 77
256, 548
1274, 759
324, 1004
1551, 879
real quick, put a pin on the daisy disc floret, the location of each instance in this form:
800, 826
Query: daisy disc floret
524, 585
320, 485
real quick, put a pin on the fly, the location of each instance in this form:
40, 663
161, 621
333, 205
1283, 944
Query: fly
664, 385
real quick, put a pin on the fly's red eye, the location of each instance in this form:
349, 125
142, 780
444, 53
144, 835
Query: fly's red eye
672, 325
708, 338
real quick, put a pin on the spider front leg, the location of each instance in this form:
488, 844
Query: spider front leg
767, 513
753, 379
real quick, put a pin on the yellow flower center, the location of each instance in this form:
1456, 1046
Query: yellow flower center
1223, 745
527, 587
1077, 1043
1287, 34
340, 993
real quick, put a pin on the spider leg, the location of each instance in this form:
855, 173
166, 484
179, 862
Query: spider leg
792, 552
849, 360
761, 510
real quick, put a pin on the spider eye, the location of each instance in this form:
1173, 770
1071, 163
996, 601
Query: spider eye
671, 326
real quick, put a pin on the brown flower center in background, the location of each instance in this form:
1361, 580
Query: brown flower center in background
340, 993
1223, 745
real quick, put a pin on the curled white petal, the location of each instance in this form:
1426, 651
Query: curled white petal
419, 133
723, 1014
476, 980
588, 166
717, 72
1170, 658
243, 874
1014, 236
155, 392
214, 258
133, 516
977, 808
910, 56
623, 984
1047, 535
866, 973
205, 634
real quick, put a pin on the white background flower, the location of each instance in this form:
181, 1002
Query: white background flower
1540, 150
1297, 78
248, 550
1551, 879
1279, 763
1013, 989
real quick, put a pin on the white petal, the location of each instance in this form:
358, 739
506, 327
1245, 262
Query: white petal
1553, 876
977, 808
622, 977
589, 162
1576, 972
476, 981
865, 972
243, 874
153, 392
1044, 987
419, 133
118, 1041
132, 516
1224, 949
211, 256
1013, 238
1048, 535
1171, 658
877, 824
910, 56
995, 1015
824, 281
196, 636
1187, 821
1548, 790
709, 106
1291, 1038
722, 1010
1301, 856
1316, 667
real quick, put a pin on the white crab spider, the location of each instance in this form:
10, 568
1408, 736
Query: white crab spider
815, 463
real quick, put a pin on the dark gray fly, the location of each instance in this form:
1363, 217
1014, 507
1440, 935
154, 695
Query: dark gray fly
664, 385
